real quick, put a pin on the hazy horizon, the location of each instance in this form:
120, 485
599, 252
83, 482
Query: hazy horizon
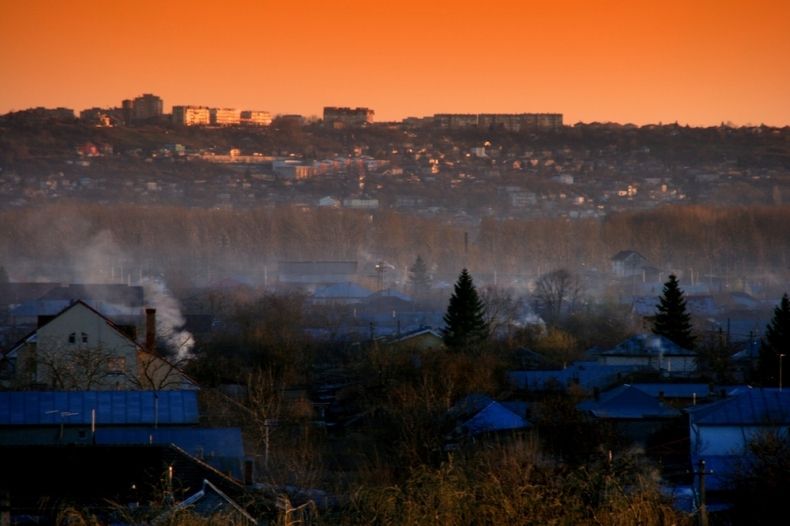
611, 61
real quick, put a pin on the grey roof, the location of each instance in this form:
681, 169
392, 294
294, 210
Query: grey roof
30, 408
648, 345
747, 407
628, 402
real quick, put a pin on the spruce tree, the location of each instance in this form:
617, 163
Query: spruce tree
419, 279
672, 320
776, 342
465, 324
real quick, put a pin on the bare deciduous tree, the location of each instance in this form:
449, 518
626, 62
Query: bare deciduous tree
557, 292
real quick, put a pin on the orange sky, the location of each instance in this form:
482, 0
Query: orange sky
692, 61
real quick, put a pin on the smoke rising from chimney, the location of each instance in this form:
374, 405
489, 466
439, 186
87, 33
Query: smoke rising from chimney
169, 319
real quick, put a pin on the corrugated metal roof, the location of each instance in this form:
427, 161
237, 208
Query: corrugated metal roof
19, 408
750, 407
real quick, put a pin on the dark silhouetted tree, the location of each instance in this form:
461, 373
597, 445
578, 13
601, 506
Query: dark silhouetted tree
419, 279
776, 342
672, 320
555, 293
465, 319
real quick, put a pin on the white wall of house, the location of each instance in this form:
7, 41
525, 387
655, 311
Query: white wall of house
78, 334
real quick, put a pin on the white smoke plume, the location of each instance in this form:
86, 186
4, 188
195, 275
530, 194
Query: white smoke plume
169, 319
93, 262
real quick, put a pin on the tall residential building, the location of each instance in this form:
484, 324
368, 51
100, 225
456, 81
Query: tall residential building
347, 117
146, 106
191, 115
225, 116
256, 118
127, 111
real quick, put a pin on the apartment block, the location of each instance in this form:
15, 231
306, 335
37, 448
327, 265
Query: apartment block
191, 115
347, 117
225, 116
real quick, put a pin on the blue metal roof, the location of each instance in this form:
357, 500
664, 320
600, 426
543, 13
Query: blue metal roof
21, 408
587, 375
748, 407
675, 390
494, 417
628, 402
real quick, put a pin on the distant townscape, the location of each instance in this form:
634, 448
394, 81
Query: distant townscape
149, 108
231, 316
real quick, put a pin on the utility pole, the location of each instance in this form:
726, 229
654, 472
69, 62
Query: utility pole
380, 275
702, 510
781, 355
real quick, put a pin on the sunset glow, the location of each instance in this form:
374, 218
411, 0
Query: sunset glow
700, 63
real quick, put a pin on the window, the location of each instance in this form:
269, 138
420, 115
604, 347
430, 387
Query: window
84, 338
116, 365
73, 337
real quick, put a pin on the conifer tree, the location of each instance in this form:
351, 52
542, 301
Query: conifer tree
465, 323
776, 342
419, 279
672, 320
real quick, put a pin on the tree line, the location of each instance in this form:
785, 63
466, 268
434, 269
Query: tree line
201, 245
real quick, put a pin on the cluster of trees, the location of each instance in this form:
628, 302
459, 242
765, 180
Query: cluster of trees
673, 321
197, 245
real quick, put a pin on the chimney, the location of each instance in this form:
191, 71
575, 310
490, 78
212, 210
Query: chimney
150, 330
